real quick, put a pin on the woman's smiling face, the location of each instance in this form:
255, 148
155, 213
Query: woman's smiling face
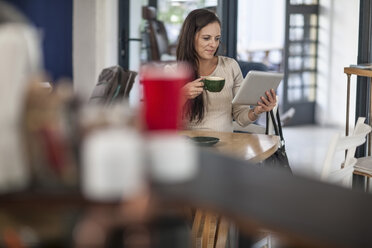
207, 41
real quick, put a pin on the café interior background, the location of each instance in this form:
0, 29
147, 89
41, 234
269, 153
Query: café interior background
92, 27
94, 38
95, 41
337, 48
94, 46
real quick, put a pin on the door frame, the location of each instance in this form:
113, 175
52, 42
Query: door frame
124, 22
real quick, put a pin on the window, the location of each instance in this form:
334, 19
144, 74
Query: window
301, 57
300, 61
261, 26
174, 12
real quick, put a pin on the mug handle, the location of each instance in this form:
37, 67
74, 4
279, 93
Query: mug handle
203, 80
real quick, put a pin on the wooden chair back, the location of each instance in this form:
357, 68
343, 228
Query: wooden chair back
156, 33
343, 174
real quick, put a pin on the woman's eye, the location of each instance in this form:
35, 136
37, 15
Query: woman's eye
205, 38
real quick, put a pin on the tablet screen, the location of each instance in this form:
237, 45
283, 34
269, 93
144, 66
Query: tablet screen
254, 85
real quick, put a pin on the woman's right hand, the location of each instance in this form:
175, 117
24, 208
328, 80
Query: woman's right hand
193, 89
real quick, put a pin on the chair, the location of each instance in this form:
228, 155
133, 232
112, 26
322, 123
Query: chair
343, 174
209, 230
114, 84
155, 37
363, 167
246, 66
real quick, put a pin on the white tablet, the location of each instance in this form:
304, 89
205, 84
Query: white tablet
254, 85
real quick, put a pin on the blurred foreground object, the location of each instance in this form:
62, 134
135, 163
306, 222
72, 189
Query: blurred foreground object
112, 165
20, 62
172, 158
50, 132
162, 83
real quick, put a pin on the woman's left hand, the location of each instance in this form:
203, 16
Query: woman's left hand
267, 103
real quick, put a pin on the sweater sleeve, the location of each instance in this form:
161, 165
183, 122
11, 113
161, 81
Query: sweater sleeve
240, 112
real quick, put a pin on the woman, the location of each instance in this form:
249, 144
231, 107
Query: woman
198, 44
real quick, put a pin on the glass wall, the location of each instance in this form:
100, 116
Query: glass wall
300, 60
261, 27
304, 2
174, 12
302, 56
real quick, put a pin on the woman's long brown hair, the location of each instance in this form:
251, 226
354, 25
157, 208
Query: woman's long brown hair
194, 22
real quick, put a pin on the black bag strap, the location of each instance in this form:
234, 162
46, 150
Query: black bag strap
276, 124
279, 126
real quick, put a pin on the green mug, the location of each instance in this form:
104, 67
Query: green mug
214, 84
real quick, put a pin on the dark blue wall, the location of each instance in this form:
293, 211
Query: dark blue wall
54, 19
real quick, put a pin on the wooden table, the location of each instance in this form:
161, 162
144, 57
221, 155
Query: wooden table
251, 147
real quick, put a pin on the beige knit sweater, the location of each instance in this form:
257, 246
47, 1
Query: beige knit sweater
219, 112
